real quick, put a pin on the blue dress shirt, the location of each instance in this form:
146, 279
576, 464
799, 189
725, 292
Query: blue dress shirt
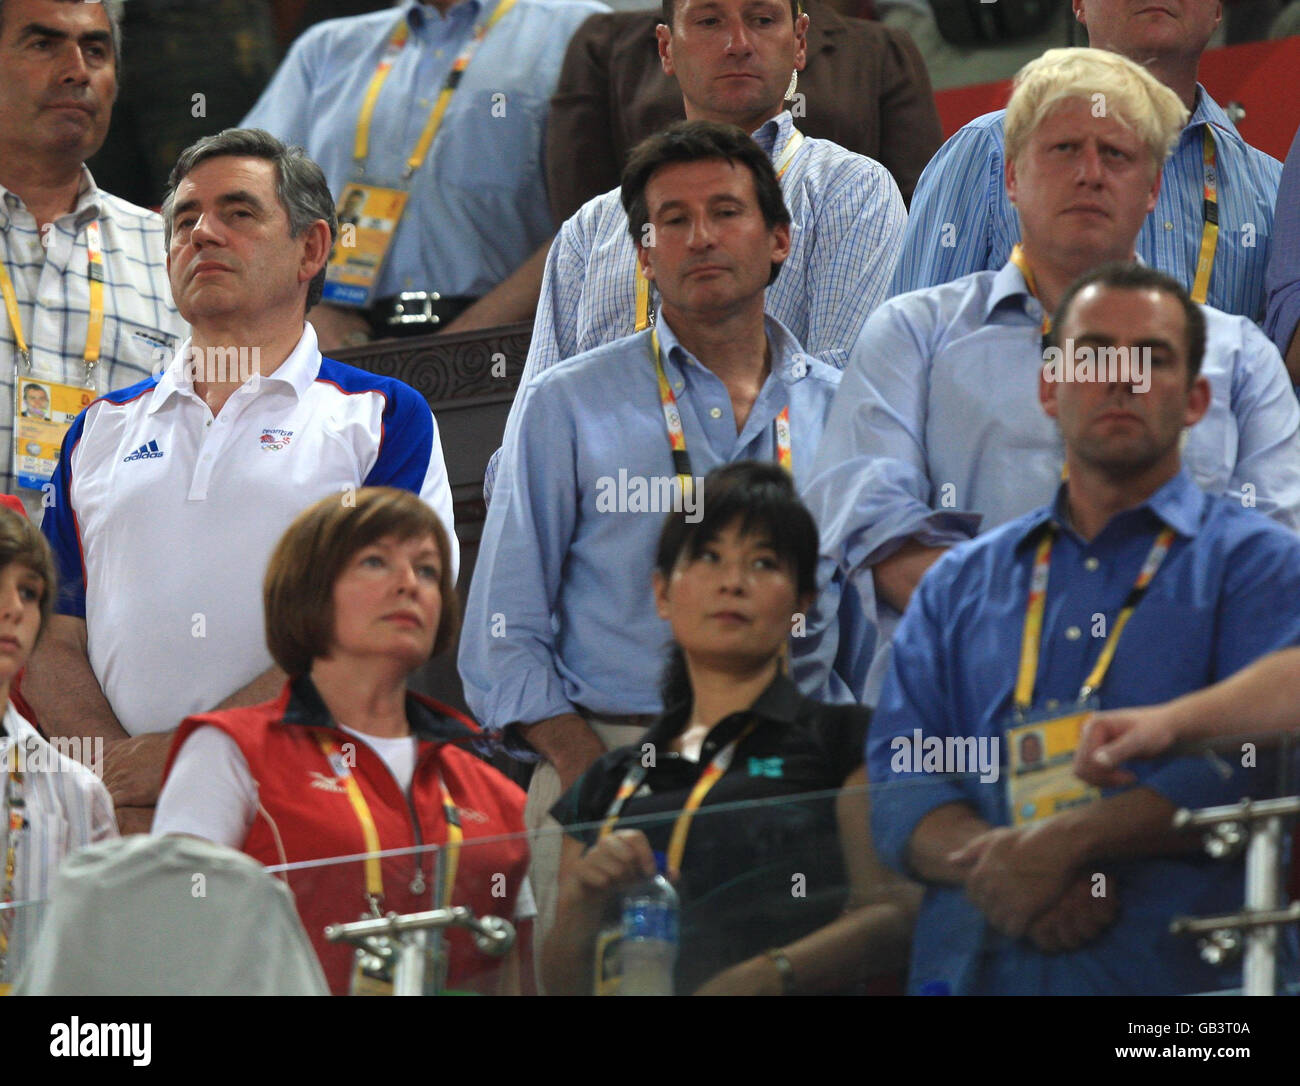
963, 188
1283, 277
847, 222
560, 611
1211, 609
478, 205
937, 431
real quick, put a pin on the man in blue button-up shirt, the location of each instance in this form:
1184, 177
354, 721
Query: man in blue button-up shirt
560, 628
936, 432
1079, 902
733, 60
478, 207
961, 220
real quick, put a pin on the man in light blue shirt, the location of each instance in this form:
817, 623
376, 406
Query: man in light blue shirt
935, 432
561, 647
1032, 889
847, 212
961, 220
478, 209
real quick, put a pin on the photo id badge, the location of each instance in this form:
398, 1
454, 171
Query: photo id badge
368, 218
1040, 777
43, 411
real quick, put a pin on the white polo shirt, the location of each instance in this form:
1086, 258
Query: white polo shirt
164, 517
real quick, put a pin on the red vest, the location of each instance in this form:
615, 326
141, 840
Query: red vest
304, 814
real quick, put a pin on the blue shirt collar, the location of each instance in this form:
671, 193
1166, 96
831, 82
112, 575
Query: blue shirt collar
789, 362
1180, 504
1008, 283
420, 15
772, 135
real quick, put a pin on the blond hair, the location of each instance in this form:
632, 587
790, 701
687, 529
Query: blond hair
1114, 85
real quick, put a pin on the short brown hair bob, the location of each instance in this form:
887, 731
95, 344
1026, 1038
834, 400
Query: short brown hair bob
298, 593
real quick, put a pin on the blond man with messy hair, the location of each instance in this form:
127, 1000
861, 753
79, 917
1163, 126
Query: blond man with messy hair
1112, 85
961, 221
936, 432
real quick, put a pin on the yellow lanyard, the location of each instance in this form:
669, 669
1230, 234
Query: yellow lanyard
1210, 212
712, 773
95, 324
677, 437
374, 871
361, 146
1033, 633
643, 285
1018, 259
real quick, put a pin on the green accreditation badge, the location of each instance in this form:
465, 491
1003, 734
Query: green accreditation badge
368, 218
1040, 778
43, 411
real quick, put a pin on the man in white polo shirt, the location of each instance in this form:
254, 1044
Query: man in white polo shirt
171, 494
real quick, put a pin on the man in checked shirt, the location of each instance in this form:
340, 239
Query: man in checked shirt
87, 307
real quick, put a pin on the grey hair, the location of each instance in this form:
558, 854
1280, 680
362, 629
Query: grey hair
113, 9
300, 184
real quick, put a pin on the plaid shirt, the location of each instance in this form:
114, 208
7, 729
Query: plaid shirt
52, 285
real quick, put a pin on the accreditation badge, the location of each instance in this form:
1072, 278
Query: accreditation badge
1040, 767
368, 218
43, 412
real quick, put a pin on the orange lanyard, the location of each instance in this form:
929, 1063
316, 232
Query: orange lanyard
713, 772
396, 43
677, 436
1032, 637
374, 871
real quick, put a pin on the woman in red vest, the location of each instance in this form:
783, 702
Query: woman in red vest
347, 761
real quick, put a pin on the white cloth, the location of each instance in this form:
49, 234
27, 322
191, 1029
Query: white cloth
67, 807
170, 916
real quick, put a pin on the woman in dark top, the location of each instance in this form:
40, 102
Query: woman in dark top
764, 908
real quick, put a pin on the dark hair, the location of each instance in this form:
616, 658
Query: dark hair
757, 497
298, 593
300, 184
1121, 275
114, 13
700, 141
670, 10
21, 541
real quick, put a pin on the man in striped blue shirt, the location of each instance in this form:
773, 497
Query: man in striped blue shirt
961, 220
936, 432
733, 60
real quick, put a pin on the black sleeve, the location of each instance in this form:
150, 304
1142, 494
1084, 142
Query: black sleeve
842, 731
589, 799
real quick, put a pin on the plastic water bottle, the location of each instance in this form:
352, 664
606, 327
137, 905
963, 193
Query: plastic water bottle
648, 950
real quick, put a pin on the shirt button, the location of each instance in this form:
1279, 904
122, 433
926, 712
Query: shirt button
1091, 564
1073, 633
715, 412
798, 369
1169, 226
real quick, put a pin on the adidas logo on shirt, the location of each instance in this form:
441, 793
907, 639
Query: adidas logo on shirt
145, 452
